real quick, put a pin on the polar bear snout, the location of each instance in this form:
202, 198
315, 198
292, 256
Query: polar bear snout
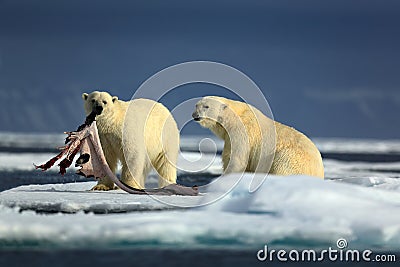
195, 116
98, 109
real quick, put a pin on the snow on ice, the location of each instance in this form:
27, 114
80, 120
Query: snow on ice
285, 211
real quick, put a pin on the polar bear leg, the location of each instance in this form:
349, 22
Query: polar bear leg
235, 161
105, 183
136, 181
235, 165
166, 169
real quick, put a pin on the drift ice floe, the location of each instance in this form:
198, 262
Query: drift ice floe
93, 162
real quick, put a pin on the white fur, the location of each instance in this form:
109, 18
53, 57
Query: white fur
255, 143
141, 134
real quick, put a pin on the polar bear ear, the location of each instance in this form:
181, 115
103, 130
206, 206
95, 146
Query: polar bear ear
220, 118
223, 107
115, 98
85, 96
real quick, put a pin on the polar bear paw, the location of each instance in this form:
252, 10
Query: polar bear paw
102, 187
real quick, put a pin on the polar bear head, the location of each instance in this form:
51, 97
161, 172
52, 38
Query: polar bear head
100, 102
209, 111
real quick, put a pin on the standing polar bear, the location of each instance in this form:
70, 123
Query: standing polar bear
254, 142
140, 133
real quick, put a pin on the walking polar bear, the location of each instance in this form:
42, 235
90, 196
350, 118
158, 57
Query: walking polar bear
250, 141
140, 133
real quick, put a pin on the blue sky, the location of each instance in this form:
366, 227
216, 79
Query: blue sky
328, 68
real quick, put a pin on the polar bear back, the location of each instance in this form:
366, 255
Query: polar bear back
295, 153
158, 130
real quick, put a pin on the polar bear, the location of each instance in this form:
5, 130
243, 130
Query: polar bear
140, 133
256, 143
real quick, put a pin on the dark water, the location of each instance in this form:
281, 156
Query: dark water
11, 179
365, 157
153, 257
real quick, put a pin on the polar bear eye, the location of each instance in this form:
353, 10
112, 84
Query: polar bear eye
105, 102
206, 106
93, 100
